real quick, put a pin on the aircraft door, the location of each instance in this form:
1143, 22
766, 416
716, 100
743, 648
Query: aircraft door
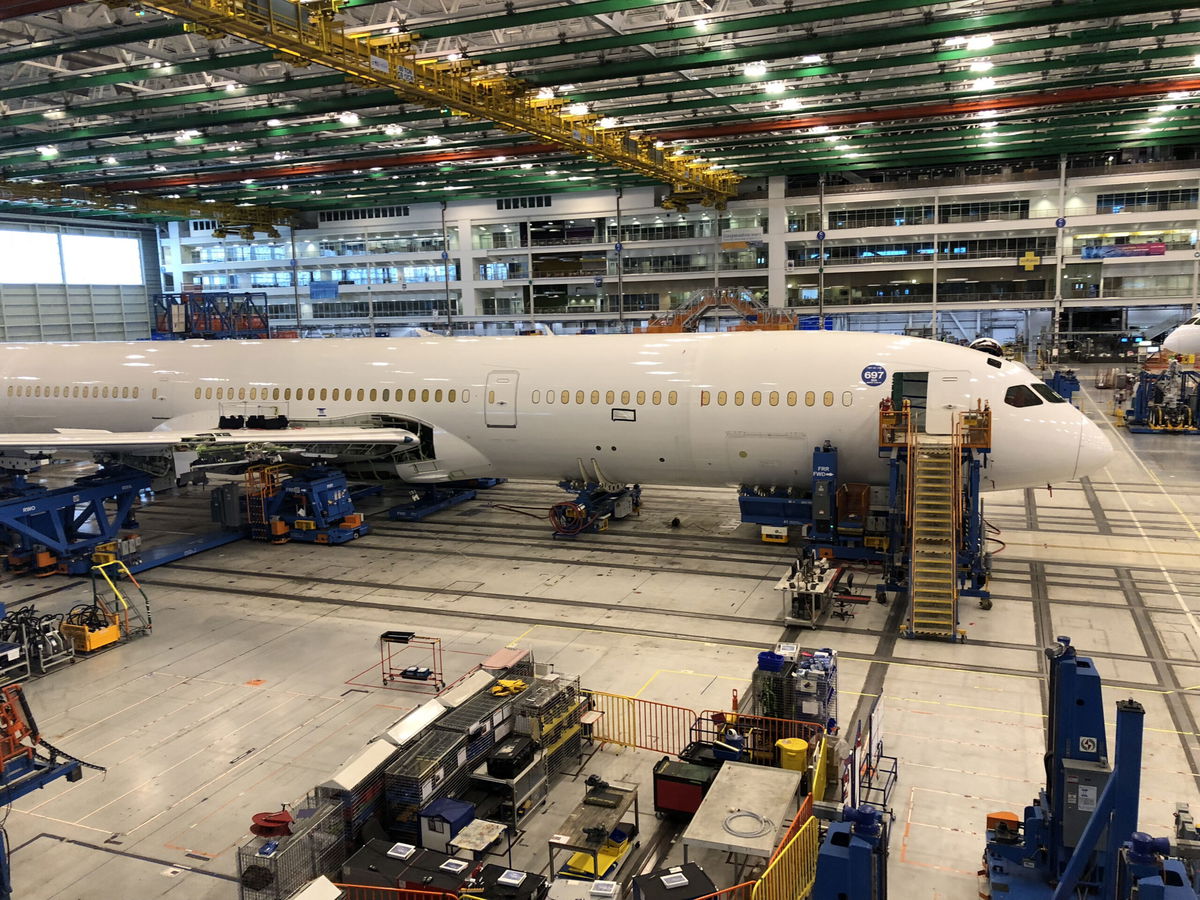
950, 392
500, 400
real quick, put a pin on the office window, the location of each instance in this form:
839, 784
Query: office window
739, 398
756, 398
672, 397
828, 398
810, 398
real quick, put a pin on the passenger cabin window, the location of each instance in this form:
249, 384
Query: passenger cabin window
610, 398
756, 398
739, 398
336, 392
1020, 396
466, 396
641, 398
412, 395
828, 398
847, 398
1047, 393
704, 398
387, 394
810, 398
672, 398
372, 395
595, 398
579, 397
437, 396
425, 396
773, 398
565, 397
549, 396
449, 395
624, 398
722, 397
536, 397
656, 398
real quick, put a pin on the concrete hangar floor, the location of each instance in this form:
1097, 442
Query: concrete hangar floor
261, 676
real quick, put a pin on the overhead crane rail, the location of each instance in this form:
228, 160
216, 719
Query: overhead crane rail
309, 33
246, 219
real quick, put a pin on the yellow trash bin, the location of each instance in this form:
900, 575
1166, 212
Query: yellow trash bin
793, 754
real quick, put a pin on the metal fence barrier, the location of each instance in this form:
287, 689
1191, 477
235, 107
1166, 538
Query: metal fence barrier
791, 874
645, 724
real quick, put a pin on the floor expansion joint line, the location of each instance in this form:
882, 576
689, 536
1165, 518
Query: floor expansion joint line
112, 851
456, 592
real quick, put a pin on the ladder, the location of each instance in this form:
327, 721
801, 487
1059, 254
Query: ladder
124, 613
934, 521
262, 484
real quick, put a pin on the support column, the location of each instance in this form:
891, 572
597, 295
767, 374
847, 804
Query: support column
1059, 266
776, 241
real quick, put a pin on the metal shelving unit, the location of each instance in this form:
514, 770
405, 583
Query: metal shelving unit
524, 793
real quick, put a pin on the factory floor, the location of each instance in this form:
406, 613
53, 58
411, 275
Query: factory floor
261, 676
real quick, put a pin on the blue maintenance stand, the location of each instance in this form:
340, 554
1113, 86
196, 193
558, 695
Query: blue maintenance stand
1165, 402
425, 501
57, 531
1080, 838
852, 861
1064, 382
594, 506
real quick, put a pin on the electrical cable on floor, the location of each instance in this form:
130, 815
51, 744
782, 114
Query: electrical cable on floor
762, 827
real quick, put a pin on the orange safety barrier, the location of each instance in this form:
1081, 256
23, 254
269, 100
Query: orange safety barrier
742, 891
366, 892
801, 818
760, 732
645, 724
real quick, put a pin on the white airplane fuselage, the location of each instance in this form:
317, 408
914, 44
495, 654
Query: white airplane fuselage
1185, 338
693, 409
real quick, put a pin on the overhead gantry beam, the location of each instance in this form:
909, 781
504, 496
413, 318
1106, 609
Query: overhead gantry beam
309, 33
81, 199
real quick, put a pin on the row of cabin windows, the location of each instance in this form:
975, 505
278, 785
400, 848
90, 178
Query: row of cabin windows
76, 391
610, 397
723, 398
372, 395
773, 398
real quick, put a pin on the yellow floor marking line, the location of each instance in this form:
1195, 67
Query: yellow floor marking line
658, 672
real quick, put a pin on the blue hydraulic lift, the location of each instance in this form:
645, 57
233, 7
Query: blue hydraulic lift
28, 762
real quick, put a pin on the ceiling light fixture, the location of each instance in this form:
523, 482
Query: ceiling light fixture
159, 168
983, 84
986, 114
607, 122
393, 129
526, 165
55, 114
546, 93
454, 56
820, 129
231, 87
48, 151
1196, 60
981, 65
499, 159
564, 88
701, 24
811, 58
754, 69
432, 141
980, 42
578, 109
274, 123
790, 104
987, 126
110, 161
188, 134
349, 118
776, 87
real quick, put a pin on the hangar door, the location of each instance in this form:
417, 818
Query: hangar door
500, 400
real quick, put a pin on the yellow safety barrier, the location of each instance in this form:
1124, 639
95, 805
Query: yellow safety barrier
791, 874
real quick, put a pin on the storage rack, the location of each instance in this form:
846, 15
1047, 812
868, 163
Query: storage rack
434, 766
548, 711
816, 687
317, 846
360, 798
485, 719
522, 794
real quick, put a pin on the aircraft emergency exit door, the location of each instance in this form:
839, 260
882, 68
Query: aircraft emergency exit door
500, 400
949, 394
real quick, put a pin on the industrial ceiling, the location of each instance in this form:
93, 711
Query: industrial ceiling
126, 98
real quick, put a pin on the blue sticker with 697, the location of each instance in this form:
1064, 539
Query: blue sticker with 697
874, 375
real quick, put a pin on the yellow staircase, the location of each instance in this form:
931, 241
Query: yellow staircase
933, 522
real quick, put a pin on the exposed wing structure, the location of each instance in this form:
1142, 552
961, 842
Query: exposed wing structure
290, 439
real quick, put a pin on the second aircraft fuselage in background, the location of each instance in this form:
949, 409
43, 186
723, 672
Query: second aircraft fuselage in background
704, 409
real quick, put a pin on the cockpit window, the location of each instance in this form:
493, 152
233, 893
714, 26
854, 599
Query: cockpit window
1020, 396
1047, 393
1193, 321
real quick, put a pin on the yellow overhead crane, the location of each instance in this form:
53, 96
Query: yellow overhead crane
308, 32
245, 219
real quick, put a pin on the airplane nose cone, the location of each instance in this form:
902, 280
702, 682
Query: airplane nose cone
1095, 450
